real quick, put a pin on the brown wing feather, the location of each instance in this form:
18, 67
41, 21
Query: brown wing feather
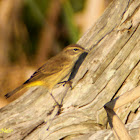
48, 69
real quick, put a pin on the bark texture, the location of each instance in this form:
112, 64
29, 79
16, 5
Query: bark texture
111, 68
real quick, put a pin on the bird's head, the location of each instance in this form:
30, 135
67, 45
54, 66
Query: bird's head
74, 51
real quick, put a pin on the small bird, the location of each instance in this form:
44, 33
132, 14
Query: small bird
54, 70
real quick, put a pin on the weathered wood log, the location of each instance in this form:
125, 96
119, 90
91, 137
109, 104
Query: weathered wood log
110, 69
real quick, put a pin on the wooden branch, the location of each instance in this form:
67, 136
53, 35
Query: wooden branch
124, 99
111, 68
116, 124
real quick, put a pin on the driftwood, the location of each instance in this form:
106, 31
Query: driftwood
110, 69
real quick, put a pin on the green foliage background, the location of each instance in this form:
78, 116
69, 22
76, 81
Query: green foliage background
34, 16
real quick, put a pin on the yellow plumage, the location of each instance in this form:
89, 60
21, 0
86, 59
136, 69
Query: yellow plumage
54, 70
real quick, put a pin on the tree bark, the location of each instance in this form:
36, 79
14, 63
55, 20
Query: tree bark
110, 69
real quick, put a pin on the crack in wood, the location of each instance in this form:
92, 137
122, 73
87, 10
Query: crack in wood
104, 36
128, 4
124, 81
83, 76
125, 44
130, 16
116, 69
33, 130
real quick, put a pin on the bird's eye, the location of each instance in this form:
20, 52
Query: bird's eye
75, 49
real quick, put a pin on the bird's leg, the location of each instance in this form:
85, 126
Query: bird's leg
52, 116
69, 83
54, 99
66, 82
55, 112
57, 108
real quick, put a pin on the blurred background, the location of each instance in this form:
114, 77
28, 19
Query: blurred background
32, 31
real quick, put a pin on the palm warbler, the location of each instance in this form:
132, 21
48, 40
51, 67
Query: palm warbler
54, 70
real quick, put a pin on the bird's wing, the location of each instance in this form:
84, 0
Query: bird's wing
46, 70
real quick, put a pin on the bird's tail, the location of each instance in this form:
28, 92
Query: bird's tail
14, 91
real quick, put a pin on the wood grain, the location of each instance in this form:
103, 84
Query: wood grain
110, 69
